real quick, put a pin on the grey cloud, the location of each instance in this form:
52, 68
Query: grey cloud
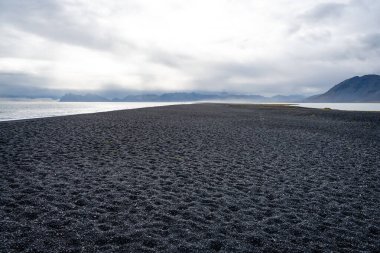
325, 11
317, 17
169, 59
248, 69
371, 41
322, 36
22, 84
220, 75
18, 78
206, 74
52, 20
15, 84
363, 48
339, 33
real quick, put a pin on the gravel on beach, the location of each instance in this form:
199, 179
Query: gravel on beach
192, 178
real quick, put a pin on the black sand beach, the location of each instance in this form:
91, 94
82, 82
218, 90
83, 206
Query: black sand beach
192, 178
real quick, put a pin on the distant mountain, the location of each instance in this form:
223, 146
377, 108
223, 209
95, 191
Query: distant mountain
167, 97
83, 98
180, 97
357, 89
287, 99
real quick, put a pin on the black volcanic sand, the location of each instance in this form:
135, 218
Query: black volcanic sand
192, 178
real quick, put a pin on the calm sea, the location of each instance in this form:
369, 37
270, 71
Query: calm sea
344, 106
15, 110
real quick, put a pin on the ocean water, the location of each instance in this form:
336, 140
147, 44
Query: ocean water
369, 107
16, 110
343, 106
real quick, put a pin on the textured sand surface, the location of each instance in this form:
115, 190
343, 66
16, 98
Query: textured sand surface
192, 178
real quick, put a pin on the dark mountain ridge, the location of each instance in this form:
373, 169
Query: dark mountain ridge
179, 97
69, 97
356, 89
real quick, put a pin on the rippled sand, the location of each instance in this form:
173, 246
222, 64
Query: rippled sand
192, 178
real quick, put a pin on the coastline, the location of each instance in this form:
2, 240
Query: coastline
78, 114
47, 109
14, 110
200, 177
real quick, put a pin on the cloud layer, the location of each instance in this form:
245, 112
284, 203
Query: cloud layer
248, 46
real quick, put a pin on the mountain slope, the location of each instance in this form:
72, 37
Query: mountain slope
357, 89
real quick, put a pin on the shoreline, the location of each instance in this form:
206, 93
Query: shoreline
79, 114
84, 113
192, 178
297, 105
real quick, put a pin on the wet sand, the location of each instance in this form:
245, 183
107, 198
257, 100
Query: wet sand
192, 178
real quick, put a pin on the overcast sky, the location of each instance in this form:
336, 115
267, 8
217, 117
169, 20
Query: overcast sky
242, 46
